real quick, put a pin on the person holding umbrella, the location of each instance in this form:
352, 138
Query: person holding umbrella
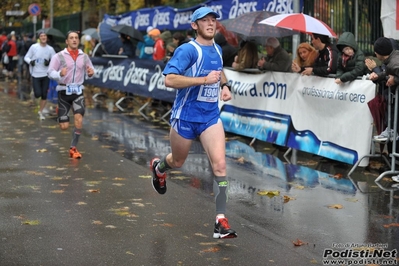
326, 62
128, 48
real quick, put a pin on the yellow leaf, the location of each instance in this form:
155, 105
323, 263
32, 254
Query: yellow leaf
299, 187
287, 198
81, 203
335, 206
31, 222
313, 261
351, 199
97, 222
268, 193
41, 150
59, 191
93, 190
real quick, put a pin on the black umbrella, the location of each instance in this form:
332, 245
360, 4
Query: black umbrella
248, 28
92, 32
53, 32
129, 31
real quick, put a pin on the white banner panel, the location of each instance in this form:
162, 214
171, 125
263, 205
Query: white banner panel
311, 114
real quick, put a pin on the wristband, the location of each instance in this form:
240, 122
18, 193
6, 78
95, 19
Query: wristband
227, 85
205, 81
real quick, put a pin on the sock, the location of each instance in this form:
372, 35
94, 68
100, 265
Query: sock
75, 137
163, 166
220, 189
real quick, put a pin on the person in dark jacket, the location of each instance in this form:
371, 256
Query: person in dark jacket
326, 63
228, 51
385, 52
127, 48
350, 59
277, 58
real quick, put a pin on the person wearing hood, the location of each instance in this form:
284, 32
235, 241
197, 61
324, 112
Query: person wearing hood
350, 59
228, 51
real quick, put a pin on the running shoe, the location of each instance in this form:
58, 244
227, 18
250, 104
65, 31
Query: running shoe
41, 116
73, 153
158, 181
385, 135
223, 230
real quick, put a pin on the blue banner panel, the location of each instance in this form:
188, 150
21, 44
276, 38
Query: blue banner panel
137, 76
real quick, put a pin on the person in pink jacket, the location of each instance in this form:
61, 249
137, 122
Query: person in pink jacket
69, 68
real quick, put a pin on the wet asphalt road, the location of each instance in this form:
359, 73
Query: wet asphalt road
102, 210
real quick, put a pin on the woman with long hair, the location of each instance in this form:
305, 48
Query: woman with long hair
306, 56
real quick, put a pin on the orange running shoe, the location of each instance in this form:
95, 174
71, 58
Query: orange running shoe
73, 153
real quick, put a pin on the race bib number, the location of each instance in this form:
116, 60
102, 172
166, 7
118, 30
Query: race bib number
148, 50
209, 93
73, 89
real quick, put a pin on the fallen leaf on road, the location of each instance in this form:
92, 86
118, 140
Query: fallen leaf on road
268, 193
299, 187
335, 206
41, 150
287, 198
298, 243
59, 191
93, 190
212, 249
96, 222
81, 203
313, 261
391, 225
145, 176
31, 222
351, 199
110, 226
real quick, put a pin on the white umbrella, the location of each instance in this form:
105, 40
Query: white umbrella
300, 22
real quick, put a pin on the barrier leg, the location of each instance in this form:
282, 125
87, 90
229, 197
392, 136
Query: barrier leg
394, 154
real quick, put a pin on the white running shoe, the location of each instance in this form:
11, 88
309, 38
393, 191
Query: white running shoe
385, 135
41, 116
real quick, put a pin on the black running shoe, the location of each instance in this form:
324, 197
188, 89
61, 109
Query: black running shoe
223, 230
158, 181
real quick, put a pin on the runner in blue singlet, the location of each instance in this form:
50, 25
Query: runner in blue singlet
195, 70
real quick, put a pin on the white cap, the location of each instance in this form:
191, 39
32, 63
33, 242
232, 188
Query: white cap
88, 38
13, 33
149, 28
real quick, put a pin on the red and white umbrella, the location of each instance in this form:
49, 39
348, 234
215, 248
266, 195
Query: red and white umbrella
300, 22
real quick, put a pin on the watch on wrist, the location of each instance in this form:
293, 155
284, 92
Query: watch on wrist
227, 85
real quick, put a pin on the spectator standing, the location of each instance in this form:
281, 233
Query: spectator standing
23, 46
146, 48
69, 67
277, 59
159, 46
247, 56
38, 57
190, 34
12, 55
195, 71
390, 58
3, 38
305, 57
228, 51
128, 48
326, 62
350, 59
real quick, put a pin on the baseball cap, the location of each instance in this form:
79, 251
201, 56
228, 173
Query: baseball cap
154, 32
202, 12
